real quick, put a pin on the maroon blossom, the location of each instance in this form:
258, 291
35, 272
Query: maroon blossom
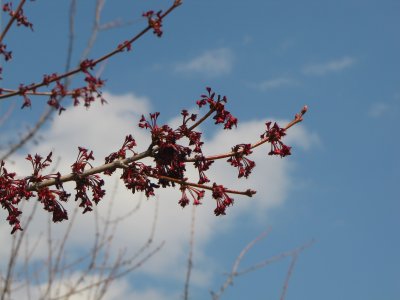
12, 191
202, 165
222, 116
195, 194
38, 165
7, 54
82, 160
136, 178
57, 92
83, 185
223, 200
49, 199
273, 135
46, 196
185, 131
87, 64
155, 21
168, 155
125, 45
86, 183
22, 91
90, 92
47, 79
121, 153
242, 163
19, 16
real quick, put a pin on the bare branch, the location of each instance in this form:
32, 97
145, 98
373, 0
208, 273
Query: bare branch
288, 275
234, 273
190, 256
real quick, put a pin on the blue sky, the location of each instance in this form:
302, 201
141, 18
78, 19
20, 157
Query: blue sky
270, 58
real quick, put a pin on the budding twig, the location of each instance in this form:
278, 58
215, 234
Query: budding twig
248, 192
12, 20
297, 119
93, 63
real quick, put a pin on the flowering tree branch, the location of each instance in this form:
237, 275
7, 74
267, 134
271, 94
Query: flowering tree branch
170, 158
171, 149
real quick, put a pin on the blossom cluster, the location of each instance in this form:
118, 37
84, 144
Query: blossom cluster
170, 149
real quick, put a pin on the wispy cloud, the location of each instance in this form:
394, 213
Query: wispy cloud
211, 63
377, 110
329, 67
275, 83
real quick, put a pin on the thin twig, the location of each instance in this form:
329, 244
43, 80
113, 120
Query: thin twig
15, 248
7, 114
288, 275
234, 272
275, 258
95, 28
190, 257
297, 119
12, 20
118, 275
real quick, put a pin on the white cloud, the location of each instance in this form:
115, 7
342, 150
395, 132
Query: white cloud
328, 67
102, 129
378, 110
280, 82
211, 63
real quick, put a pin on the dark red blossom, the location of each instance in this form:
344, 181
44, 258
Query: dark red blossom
82, 160
87, 64
7, 54
47, 79
83, 185
128, 145
90, 92
274, 134
168, 154
125, 45
155, 21
242, 163
49, 199
12, 191
223, 200
88, 182
222, 116
136, 178
188, 132
22, 91
195, 194
38, 165
19, 16
57, 93
202, 165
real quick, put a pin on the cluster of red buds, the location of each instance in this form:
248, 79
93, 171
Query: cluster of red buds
155, 21
18, 14
170, 149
